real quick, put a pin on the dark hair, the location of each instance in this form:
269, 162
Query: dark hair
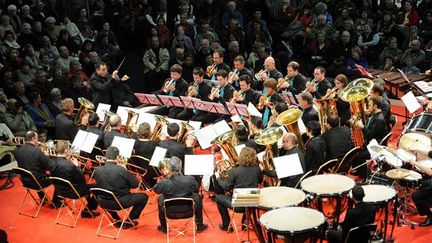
306, 96
294, 65
222, 73
176, 68
30, 135
333, 120
321, 68
258, 122
245, 78
198, 71
358, 193
220, 52
314, 127
281, 107
99, 64
33, 96
271, 83
93, 119
173, 129
378, 88
239, 59
112, 153
377, 101
241, 132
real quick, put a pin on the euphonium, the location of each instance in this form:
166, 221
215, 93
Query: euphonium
86, 106
224, 169
268, 137
184, 130
226, 142
289, 119
160, 122
210, 69
132, 115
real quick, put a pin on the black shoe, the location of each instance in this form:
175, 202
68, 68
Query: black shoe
225, 228
126, 225
213, 197
201, 228
162, 229
427, 222
92, 214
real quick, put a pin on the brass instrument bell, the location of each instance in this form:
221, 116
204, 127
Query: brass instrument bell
268, 136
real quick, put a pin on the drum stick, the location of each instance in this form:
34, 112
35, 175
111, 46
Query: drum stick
121, 63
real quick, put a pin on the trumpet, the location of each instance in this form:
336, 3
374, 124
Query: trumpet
192, 89
214, 91
259, 74
169, 83
236, 95
330, 92
231, 76
282, 80
210, 69
18, 141
262, 99
309, 84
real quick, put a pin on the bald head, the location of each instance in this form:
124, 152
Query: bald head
289, 141
269, 63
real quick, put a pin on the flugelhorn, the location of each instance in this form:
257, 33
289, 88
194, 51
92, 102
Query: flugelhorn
282, 80
210, 69
259, 74
18, 141
309, 84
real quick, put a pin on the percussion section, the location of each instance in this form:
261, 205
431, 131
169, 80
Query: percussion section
328, 184
280, 197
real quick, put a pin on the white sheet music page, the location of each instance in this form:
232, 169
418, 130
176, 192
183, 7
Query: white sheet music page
205, 135
260, 155
100, 110
410, 102
238, 148
253, 111
202, 164
125, 145
146, 117
79, 140
90, 142
158, 155
288, 165
221, 127
195, 124
236, 118
280, 141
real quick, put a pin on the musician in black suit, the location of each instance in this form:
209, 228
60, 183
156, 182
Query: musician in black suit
222, 94
93, 127
113, 176
376, 127
360, 215
65, 128
268, 100
270, 71
69, 171
421, 197
174, 86
31, 158
101, 84
315, 147
248, 94
218, 65
246, 175
337, 138
174, 185
305, 100
289, 147
321, 83
174, 148
239, 70
378, 91
198, 89
115, 123
297, 81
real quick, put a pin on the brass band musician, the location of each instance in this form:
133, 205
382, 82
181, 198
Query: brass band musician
305, 100
319, 85
218, 65
376, 127
342, 107
65, 128
115, 123
269, 71
337, 138
246, 93
268, 99
296, 82
315, 151
239, 70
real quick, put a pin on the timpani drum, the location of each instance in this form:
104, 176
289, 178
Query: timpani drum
296, 224
380, 196
420, 123
280, 197
330, 193
412, 180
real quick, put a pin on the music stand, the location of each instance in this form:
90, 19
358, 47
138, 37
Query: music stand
241, 109
405, 77
199, 104
219, 108
363, 71
171, 101
187, 101
151, 99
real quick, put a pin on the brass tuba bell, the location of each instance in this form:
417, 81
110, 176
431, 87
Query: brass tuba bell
289, 119
268, 137
226, 142
184, 130
160, 122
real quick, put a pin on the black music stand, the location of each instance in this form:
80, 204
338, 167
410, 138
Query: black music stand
171, 101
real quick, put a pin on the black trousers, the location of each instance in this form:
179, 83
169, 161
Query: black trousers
44, 183
198, 210
223, 203
185, 114
422, 198
136, 200
205, 117
335, 236
171, 112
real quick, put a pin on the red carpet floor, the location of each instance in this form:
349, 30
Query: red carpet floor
43, 229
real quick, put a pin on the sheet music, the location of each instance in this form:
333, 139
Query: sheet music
280, 141
253, 111
221, 127
100, 110
158, 155
236, 118
288, 165
238, 148
302, 126
79, 140
147, 108
199, 164
125, 145
146, 117
122, 111
260, 155
195, 124
410, 102
205, 135
90, 142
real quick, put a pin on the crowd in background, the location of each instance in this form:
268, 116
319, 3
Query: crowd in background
48, 48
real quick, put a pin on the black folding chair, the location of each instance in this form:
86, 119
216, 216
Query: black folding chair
361, 234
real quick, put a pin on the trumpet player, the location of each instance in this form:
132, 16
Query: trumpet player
65, 167
199, 89
239, 70
218, 64
270, 71
295, 81
319, 85
246, 93
269, 98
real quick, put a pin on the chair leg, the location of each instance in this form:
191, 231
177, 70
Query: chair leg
38, 205
233, 224
71, 210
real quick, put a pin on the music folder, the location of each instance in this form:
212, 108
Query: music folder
171, 100
288, 165
231, 108
152, 99
411, 102
220, 109
363, 71
84, 141
402, 73
198, 104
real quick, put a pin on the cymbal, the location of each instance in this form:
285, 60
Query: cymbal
413, 140
397, 174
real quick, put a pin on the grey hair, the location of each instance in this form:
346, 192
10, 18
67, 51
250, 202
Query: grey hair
114, 120
176, 164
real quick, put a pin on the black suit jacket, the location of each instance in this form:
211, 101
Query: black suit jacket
251, 96
322, 88
175, 148
95, 130
309, 114
109, 137
362, 214
145, 148
376, 128
68, 171
315, 153
181, 87
299, 84
338, 141
227, 95
65, 128
115, 178
32, 158
204, 90
101, 88
177, 186
242, 177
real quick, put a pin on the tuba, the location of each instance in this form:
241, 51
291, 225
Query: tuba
268, 137
355, 94
132, 115
160, 122
289, 119
86, 106
325, 107
226, 142
185, 129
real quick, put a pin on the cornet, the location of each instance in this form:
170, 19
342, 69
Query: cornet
214, 91
236, 95
282, 80
18, 141
309, 84
259, 74
262, 99
210, 69
192, 89
231, 76
332, 91
169, 83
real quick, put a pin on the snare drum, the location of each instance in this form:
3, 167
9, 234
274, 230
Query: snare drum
294, 223
280, 197
420, 123
330, 193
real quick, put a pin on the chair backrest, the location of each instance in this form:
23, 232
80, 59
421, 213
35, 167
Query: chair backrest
302, 178
136, 170
349, 156
31, 182
106, 195
64, 188
361, 234
139, 160
326, 166
385, 139
179, 208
